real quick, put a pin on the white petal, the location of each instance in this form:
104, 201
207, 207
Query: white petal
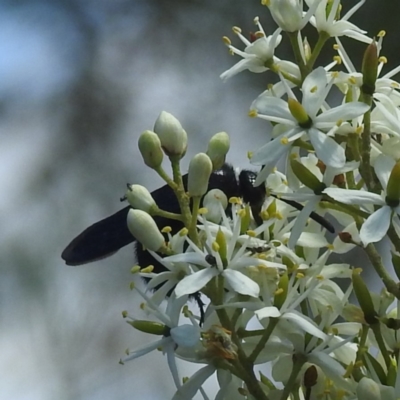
304, 324
312, 240
359, 197
327, 149
301, 220
271, 152
193, 283
268, 312
240, 283
383, 168
343, 112
192, 258
273, 107
313, 87
185, 335
376, 226
189, 388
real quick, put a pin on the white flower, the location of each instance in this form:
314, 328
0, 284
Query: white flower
329, 24
315, 88
185, 335
256, 55
310, 197
377, 224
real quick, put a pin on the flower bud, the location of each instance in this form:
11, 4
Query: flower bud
393, 187
212, 201
172, 136
288, 14
364, 298
218, 147
367, 389
306, 177
144, 229
154, 328
369, 69
200, 169
310, 377
150, 148
140, 198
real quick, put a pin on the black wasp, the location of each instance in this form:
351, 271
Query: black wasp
107, 236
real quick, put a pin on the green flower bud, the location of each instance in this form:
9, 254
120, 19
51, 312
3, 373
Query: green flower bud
299, 112
393, 187
172, 136
367, 389
154, 328
212, 201
218, 147
140, 198
200, 169
144, 229
369, 69
150, 148
306, 177
364, 298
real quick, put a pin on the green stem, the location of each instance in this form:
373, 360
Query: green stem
298, 362
193, 233
381, 343
297, 54
167, 214
264, 339
380, 269
322, 38
394, 238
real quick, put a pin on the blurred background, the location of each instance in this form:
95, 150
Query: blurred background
79, 81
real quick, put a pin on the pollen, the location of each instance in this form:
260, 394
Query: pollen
135, 269
215, 246
337, 59
381, 33
183, 232
314, 89
256, 20
236, 30
226, 40
284, 141
252, 233
166, 229
252, 113
383, 60
203, 210
359, 130
235, 200
148, 269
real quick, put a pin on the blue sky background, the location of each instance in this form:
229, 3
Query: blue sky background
79, 82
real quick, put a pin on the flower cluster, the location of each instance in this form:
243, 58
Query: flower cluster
259, 247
